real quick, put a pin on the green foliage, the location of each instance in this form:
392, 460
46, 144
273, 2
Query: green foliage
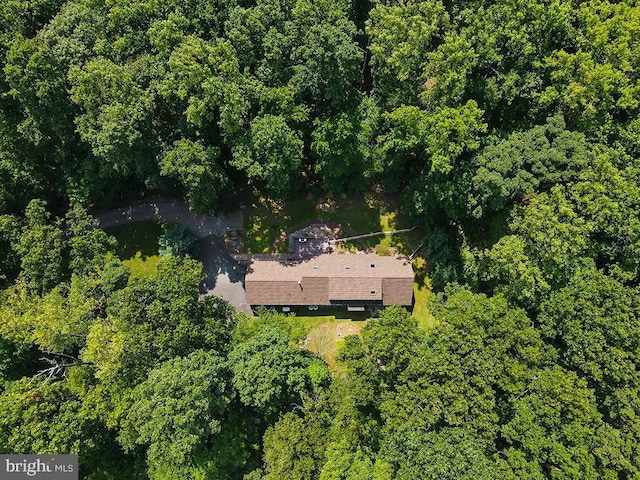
205, 79
198, 169
555, 426
153, 319
271, 153
294, 447
473, 112
40, 247
177, 241
401, 37
344, 463
117, 112
443, 261
268, 373
9, 260
425, 149
16, 359
341, 146
595, 318
177, 413
57, 322
594, 83
43, 418
589, 222
326, 62
88, 246
319, 374
450, 453
248, 327
526, 163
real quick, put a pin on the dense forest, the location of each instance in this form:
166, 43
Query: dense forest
510, 129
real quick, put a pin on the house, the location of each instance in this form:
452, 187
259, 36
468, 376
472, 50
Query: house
354, 281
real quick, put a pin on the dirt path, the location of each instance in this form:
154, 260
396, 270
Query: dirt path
176, 211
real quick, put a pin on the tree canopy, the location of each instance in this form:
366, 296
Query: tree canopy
508, 132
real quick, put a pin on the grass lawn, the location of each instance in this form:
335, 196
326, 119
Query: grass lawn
421, 293
138, 246
326, 333
328, 327
267, 220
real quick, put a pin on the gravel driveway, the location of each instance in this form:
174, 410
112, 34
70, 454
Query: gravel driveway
176, 211
225, 276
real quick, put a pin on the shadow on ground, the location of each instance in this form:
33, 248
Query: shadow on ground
225, 276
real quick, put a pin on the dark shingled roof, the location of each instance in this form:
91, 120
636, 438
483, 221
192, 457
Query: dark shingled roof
327, 278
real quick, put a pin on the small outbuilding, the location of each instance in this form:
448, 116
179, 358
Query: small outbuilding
355, 281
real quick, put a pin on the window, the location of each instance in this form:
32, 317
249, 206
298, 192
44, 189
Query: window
373, 292
347, 267
315, 267
373, 265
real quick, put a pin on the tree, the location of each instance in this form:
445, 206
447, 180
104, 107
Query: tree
271, 153
349, 463
268, 373
205, 79
9, 259
326, 63
88, 246
441, 250
45, 418
568, 229
553, 239
526, 163
391, 339
428, 148
19, 170
177, 413
198, 169
294, 447
442, 413
42, 115
57, 322
401, 38
118, 108
594, 83
154, 319
450, 453
343, 151
37, 78
40, 247
592, 321
555, 427
17, 360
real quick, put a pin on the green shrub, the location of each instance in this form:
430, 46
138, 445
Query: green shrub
177, 241
383, 250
